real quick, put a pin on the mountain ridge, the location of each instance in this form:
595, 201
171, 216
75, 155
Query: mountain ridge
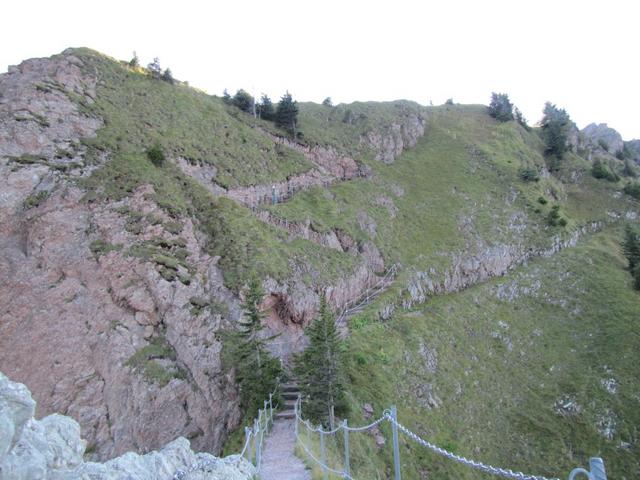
120, 273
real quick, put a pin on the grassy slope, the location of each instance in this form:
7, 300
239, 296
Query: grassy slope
187, 123
139, 111
502, 365
466, 167
461, 188
463, 170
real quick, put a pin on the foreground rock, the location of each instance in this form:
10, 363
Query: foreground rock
51, 448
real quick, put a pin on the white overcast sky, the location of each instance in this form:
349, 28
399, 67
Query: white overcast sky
581, 55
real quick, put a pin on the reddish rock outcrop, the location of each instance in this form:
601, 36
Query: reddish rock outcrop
77, 305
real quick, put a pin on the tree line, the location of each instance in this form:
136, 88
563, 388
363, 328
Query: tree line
284, 114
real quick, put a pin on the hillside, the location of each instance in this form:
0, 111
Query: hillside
119, 274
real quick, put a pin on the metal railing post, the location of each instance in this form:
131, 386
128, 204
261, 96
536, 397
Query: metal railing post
258, 447
597, 470
266, 418
396, 446
323, 456
256, 432
347, 467
271, 408
247, 431
295, 411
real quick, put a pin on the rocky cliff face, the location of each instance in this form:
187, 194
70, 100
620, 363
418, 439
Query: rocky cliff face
390, 142
98, 317
52, 448
467, 270
634, 147
110, 309
600, 137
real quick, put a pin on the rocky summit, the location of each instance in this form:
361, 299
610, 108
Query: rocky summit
495, 305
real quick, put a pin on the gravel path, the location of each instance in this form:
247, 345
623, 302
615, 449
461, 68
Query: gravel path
278, 460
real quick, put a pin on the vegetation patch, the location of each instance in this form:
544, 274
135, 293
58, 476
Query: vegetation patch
35, 199
100, 247
156, 362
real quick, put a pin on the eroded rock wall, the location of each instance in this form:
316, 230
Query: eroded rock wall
96, 317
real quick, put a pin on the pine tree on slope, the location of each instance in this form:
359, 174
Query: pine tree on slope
320, 369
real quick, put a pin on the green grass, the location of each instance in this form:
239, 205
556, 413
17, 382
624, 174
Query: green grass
145, 361
141, 112
503, 364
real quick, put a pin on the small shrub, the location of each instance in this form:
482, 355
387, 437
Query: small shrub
167, 76
542, 200
500, 107
360, 358
173, 227
156, 155
554, 216
35, 199
603, 145
449, 101
100, 247
601, 171
529, 174
562, 222
135, 61
633, 189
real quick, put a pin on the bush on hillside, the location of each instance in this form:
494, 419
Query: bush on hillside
633, 189
167, 76
156, 155
630, 169
631, 250
603, 144
266, 110
520, 119
529, 174
135, 61
287, 113
555, 129
601, 171
554, 219
500, 107
243, 100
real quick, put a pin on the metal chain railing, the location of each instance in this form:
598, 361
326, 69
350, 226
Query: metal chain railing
261, 425
503, 472
597, 466
368, 295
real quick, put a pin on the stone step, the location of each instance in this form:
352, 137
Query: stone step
289, 387
286, 414
290, 395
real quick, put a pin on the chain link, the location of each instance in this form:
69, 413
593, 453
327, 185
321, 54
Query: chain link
503, 472
326, 467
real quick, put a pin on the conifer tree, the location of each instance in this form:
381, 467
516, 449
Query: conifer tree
556, 126
320, 369
631, 250
287, 114
631, 246
501, 107
265, 108
257, 371
243, 100
167, 76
